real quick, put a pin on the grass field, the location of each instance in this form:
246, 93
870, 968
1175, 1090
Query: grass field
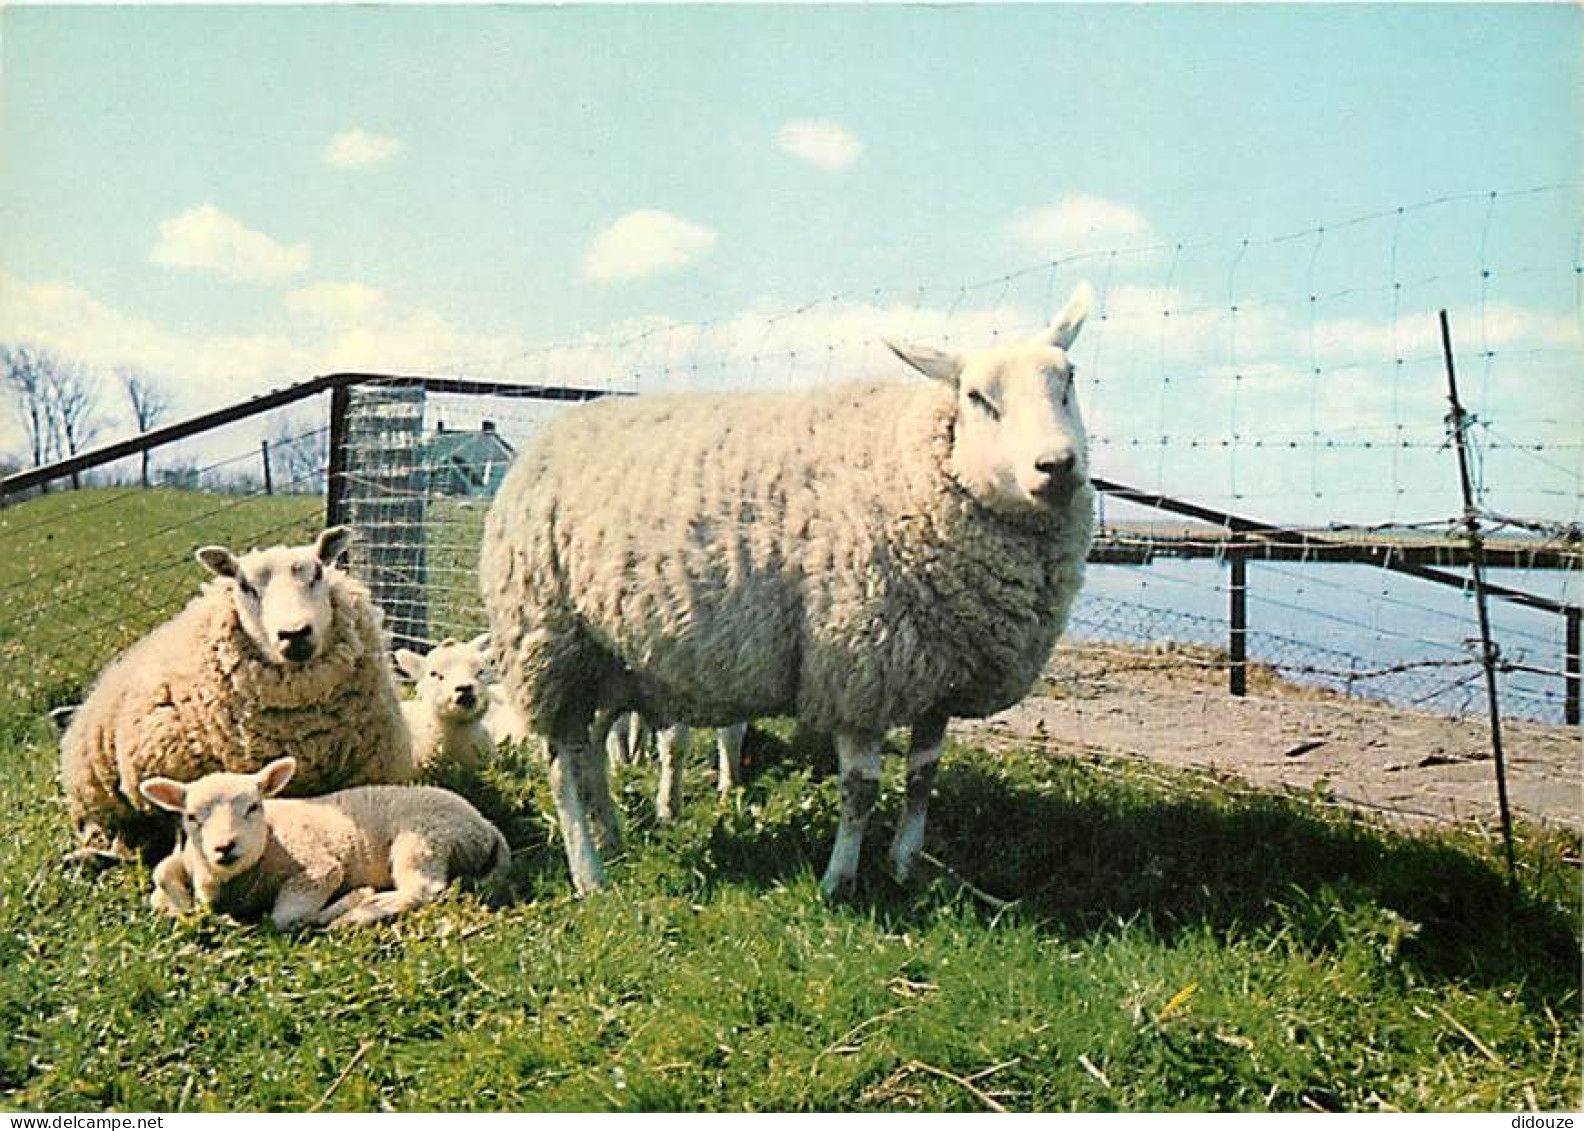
1106, 938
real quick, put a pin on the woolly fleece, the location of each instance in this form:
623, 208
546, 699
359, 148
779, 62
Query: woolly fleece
709, 558
195, 697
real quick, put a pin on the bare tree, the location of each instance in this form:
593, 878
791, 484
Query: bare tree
73, 410
25, 374
299, 451
149, 403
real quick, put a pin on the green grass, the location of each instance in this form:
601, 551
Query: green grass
85, 573
1171, 943
1314, 962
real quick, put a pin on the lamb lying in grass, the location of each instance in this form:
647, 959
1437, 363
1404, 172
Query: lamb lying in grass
445, 716
340, 860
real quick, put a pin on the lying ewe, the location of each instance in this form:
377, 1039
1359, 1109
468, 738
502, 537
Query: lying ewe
627, 737
861, 555
280, 653
445, 716
347, 858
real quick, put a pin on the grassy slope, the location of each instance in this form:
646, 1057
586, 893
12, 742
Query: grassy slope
1312, 961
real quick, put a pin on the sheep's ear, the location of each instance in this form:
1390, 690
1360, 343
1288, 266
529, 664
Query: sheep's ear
332, 543
167, 794
220, 561
934, 363
1064, 331
273, 777
410, 664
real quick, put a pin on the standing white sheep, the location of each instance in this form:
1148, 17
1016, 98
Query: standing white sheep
350, 857
280, 653
863, 555
445, 716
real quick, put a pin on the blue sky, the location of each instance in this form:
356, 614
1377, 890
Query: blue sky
236, 198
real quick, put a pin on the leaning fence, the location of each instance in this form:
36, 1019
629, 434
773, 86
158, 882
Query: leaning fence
1266, 430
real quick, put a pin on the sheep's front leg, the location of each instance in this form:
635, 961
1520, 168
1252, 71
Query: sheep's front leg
859, 759
672, 743
728, 748
924, 752
173, 888
583, 860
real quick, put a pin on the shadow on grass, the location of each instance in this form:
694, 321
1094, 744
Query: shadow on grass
1081, 849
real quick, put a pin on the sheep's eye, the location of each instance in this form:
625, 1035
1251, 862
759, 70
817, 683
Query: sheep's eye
189, 820
254, 808
318, 573
246, 586
982, 403
434, 675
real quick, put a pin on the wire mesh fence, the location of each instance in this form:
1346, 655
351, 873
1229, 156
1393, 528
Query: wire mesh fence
1295, 378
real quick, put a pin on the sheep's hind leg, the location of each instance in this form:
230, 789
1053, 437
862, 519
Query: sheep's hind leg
301, 900
593, 778
860, 787
672, 742
583, 859
418, 876
728, 747
924, 753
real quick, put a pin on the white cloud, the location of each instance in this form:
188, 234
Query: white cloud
206, 239
358, 149
826, 144
336, 304
1077, 224
647, 242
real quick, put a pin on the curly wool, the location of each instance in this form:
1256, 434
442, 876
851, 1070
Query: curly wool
801, 552
195, 697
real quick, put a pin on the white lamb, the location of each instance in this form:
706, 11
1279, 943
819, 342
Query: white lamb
351, 857
862, 555
446, 714
280, 653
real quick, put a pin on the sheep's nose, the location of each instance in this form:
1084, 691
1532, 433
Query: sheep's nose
1056, 465
296, 643
466, 696
227, 852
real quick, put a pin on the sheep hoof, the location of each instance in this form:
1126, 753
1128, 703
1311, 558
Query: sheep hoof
839, 889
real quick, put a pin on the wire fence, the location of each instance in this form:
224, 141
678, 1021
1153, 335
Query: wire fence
1295, 378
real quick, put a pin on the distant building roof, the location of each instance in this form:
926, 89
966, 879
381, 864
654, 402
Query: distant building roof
467, 463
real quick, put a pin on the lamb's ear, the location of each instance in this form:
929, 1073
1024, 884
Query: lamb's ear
332, 543
273, 777
1064, 331
410, 664
167, 794
220, 561
934, 363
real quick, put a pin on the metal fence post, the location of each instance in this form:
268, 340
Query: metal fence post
1237, 638
269, 480
1570, 678
335, 470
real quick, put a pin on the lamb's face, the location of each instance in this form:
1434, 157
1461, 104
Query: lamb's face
1019, 442
222, 815
453, 679
282, 595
